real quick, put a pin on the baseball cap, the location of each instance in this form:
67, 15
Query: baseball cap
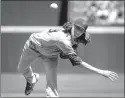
85, 36
80, 22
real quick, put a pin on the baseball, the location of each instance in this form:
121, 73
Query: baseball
54, 5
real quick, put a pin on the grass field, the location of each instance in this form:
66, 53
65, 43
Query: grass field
69, 85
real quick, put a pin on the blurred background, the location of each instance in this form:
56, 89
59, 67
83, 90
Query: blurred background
106, 51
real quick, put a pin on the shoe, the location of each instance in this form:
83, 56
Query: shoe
50, 93
30, 86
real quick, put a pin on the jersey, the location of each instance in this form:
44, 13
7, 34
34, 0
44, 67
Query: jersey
49, 42
52, 42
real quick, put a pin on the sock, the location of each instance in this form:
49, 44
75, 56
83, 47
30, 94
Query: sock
29, 75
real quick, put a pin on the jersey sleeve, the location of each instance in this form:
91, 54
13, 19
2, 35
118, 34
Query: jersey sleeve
66, 47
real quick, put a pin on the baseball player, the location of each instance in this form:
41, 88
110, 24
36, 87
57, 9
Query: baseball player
48, 45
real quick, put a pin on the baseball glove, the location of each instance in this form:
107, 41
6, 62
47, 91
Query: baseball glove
75, 59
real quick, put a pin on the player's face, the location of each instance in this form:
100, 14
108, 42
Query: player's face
78, 31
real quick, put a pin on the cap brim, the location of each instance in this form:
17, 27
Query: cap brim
84, 28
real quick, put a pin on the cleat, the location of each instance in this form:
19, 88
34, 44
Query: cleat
30, 86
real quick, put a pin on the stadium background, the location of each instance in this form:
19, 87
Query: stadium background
106, 51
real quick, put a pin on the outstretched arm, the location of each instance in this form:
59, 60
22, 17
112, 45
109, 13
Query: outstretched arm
109, 74
77, 61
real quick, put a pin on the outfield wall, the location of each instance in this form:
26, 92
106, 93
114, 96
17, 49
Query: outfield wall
106, 50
